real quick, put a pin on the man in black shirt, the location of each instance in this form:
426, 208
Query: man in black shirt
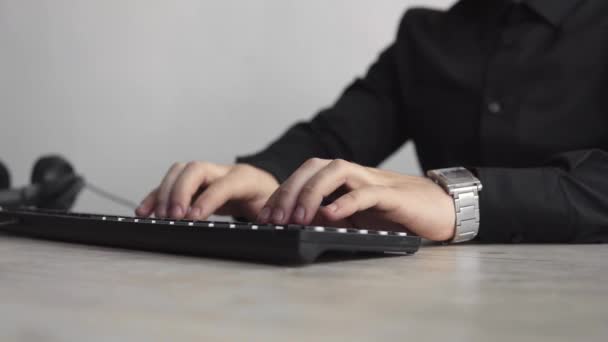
514, 91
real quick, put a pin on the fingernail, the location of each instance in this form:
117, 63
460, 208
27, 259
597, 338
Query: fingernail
162, 213
195, 213
332, 207
264, 215
177, 211
188, 211
299, 214
278, 215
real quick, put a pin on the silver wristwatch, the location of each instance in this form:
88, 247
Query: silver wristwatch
464, 187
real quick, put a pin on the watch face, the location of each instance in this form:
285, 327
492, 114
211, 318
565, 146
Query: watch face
457, 176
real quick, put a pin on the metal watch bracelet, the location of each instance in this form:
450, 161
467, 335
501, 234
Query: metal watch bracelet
466, 203
464, 188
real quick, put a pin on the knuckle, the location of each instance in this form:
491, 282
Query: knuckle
173, 201
343, 166
283, 193
203, 165
154, 197
313, 162
161, 202
192, 164
164, 192
151, 195
308, 191
177, 166
206, 199
177, 192
197, 165
340, 162
279, 196
353, 196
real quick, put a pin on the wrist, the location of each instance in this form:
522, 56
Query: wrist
451, 219
448, 232
463, 187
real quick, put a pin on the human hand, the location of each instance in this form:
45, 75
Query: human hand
197, 190
371, 198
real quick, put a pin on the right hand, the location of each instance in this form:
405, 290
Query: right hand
197, 190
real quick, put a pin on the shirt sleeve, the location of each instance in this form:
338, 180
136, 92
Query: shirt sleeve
566, 200
364, 126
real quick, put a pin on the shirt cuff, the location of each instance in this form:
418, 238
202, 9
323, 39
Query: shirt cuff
522, 205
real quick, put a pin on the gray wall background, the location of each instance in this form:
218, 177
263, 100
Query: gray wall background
123, 88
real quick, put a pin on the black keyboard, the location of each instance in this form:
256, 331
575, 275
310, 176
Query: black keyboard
237, 240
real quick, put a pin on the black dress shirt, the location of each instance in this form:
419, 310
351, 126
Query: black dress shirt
516, 91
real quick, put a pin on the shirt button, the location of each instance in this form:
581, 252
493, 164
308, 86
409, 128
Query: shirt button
494, 107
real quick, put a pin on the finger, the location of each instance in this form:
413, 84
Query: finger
162, 200
281, 203
325, 182
146, 207
356, 201
324, 221
218, 194
194, 176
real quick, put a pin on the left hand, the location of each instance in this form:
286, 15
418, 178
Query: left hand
372, 198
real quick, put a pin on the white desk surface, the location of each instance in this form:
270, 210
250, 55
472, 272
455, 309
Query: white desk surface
62, 292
